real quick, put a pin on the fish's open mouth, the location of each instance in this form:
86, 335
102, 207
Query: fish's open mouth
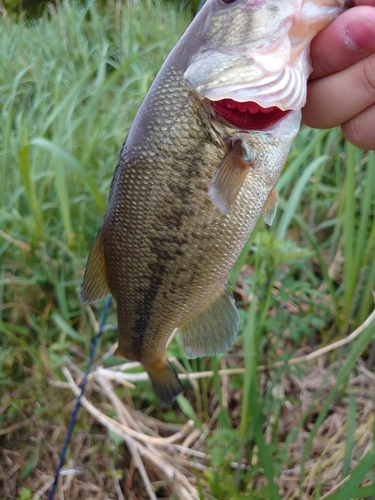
248, 115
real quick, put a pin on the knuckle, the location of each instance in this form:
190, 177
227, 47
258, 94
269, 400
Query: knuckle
321, 61
369, 75
352, 132
360, 130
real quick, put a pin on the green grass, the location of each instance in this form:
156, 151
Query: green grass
70, 85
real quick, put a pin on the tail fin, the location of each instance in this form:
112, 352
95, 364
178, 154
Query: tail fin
165, 383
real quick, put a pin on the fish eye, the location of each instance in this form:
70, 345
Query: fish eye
227, 2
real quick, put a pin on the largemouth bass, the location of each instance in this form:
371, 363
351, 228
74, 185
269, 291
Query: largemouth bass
198, 167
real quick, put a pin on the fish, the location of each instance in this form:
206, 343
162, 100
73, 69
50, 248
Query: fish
198, 167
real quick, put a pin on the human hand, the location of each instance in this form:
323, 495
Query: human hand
341, 89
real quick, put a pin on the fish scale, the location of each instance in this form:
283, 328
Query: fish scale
189, 188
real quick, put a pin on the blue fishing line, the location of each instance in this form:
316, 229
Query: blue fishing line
73, 418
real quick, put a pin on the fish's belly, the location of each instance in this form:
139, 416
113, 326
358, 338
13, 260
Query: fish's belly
168, 248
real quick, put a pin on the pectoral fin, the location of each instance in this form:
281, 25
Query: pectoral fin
94, 286
213, 329
270, 207
228, 178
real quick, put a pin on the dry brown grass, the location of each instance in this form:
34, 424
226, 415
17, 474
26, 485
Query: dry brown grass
325, 461
119, 452
161, 458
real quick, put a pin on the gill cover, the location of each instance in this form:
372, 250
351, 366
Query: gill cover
257, 50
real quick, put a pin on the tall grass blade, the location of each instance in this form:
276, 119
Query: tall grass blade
75, 165
65, 327
250, 351
64, 199
318, 253
290, 173
368, 263
251, 407
29, 185
7, 132
350, 436
295, 197
188, 410
265, 456
223, 415
349, 231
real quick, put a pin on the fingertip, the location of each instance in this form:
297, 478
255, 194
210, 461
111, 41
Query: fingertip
347, 40
360, 34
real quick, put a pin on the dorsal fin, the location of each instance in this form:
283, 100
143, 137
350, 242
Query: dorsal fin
94, 286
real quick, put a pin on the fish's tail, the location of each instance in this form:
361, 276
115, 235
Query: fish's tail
165, 382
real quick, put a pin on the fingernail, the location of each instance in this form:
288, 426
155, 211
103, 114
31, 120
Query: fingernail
360, 35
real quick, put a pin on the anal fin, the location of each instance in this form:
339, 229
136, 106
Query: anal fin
213, 329
270, 207
94, 286
229, 177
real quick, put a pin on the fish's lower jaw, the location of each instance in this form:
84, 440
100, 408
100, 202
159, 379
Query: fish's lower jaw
248, 115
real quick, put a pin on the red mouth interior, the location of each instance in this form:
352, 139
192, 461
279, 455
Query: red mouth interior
248, 115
